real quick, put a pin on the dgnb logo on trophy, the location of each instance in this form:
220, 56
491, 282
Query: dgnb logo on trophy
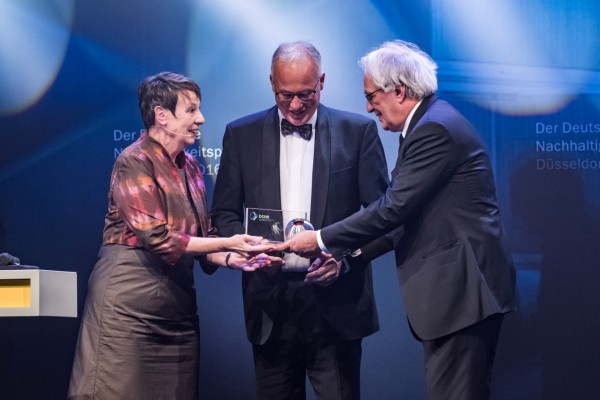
270, 225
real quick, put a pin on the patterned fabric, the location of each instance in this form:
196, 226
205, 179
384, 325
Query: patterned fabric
148, 205
305, 131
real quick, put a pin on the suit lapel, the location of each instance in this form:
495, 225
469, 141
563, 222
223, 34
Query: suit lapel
270, 191
419, 112
321, 167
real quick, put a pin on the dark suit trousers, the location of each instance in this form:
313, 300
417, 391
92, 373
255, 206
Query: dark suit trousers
300, 346
459, 366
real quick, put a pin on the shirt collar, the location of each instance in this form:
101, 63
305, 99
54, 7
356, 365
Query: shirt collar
410, 115
180, 159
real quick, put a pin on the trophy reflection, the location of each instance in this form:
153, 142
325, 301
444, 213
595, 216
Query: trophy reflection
297, 225
294, 262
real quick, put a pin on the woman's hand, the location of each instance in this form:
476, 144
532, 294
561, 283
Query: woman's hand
246, 245
249, 246
237, 261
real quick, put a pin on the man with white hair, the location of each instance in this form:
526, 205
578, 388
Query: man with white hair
441, 216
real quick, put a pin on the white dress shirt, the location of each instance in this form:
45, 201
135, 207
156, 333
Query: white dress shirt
296, 156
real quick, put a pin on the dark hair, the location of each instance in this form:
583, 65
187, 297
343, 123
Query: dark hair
162, 90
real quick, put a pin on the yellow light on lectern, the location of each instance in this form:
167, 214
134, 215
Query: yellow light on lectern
15, 293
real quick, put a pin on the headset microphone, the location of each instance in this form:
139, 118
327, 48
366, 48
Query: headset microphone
197, 135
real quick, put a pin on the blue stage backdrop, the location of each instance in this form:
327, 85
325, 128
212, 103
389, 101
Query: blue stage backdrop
527, 74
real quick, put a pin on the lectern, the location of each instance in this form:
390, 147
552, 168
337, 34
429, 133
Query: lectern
29, 292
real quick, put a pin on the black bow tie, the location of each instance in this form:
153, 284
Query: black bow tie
305, 131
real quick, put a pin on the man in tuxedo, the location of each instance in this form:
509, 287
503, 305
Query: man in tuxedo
303, 156
455, 270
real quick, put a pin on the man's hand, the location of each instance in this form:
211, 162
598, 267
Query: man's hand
304, 244
324, 271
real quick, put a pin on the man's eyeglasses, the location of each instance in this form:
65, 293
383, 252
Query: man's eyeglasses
369, 96
305, 95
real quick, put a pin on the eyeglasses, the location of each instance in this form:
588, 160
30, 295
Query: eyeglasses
305, 95
369, 96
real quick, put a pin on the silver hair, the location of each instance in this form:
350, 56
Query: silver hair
399, 62
296, 51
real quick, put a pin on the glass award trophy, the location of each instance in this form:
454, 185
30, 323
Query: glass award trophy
266, 223
278, 226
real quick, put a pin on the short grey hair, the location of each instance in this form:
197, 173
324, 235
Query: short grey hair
399, 62
296, 51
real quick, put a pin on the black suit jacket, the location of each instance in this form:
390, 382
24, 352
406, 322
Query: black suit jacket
454, 265
349, 172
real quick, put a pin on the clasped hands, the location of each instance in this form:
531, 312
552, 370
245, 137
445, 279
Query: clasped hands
249, 253
254, 254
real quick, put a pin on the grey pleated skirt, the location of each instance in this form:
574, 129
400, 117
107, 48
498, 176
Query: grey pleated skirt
139, 335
